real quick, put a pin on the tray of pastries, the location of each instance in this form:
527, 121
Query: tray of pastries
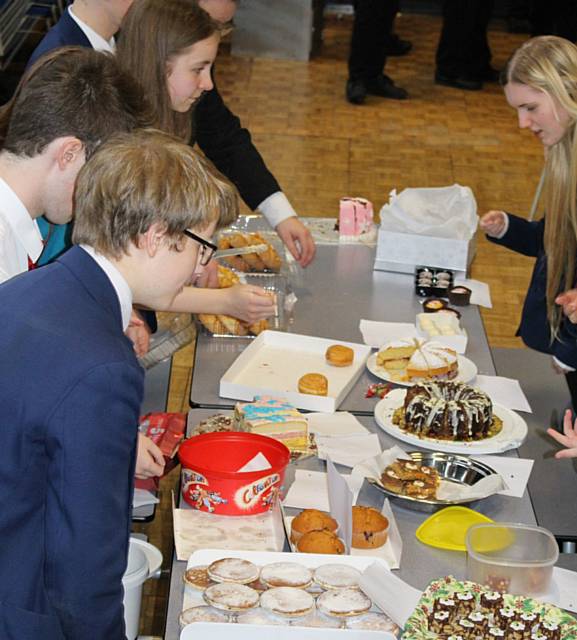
419, 481
276, 589
224, 326
453, 609
268, 259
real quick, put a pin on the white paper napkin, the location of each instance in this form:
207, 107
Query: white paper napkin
347, 450
258, 463
310, 491
341, 503
341, 423
391, 594
376, 334
515, 472
505, 391
142, 498
480, 292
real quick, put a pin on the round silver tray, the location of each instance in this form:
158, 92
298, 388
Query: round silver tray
450, 467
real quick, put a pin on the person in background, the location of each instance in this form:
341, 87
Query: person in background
218, 131
373, 24
463, 55
540, 83
71, 386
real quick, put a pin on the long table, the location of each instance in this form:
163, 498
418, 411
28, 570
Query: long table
337, 290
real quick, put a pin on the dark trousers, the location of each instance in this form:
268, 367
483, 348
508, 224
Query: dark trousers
372, 25
554, 17
463, 49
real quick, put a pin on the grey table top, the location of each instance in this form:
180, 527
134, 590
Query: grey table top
337, 290
419, 563
553, 483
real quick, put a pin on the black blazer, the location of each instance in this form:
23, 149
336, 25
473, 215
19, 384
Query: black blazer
527, 238
218, 131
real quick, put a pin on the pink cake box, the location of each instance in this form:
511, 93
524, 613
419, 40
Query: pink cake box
355, 216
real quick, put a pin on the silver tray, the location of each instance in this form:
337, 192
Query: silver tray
450, 467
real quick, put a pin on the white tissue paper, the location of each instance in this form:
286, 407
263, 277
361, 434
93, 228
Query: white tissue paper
445, 212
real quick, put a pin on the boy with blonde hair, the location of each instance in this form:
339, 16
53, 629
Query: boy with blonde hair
71, 387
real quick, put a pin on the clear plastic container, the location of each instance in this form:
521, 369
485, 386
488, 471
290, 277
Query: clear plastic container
174, 331
511, 558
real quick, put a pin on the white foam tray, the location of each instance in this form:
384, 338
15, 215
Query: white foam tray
273, 363
223, 631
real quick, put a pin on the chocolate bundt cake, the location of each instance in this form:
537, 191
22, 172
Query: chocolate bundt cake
446, 410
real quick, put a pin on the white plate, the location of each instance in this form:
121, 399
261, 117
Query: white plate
511, 436
467, 371
217, 630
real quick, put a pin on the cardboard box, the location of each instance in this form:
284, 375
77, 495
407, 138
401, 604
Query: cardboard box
402, 252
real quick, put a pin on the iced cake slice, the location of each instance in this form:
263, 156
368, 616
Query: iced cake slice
275, 418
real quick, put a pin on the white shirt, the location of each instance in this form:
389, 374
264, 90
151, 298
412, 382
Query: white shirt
276, 208
20, 236
97, 42
117, 280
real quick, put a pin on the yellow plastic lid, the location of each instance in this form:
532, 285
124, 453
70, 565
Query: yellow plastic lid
447, 528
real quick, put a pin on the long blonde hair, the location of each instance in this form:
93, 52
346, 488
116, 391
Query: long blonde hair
152, 33
549, 64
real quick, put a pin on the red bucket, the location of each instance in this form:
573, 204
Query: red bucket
210, 478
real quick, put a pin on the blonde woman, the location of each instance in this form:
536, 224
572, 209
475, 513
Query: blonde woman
540, 83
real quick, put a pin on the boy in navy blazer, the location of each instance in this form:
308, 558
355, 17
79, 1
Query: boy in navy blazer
71, 387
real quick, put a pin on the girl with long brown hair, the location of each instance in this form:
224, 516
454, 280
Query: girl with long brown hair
155, 36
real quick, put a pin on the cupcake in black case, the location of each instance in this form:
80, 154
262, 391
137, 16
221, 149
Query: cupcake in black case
432, 281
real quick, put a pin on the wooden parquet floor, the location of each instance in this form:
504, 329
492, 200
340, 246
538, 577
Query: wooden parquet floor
321, 148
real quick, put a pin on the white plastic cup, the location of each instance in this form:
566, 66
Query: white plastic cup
144, 561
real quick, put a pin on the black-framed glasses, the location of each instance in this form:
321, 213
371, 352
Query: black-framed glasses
207, 248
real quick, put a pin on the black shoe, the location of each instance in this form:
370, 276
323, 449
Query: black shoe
384, 87
396, 46
458, 82
356, 91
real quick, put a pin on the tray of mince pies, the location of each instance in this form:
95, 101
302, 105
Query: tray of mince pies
431, 281
264, 588
450, 609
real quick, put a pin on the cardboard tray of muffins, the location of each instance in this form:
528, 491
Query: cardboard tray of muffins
465, 610
374, 534
281, 364
301, 595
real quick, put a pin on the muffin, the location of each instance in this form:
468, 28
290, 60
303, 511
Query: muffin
311, 520
322, 541
370, 528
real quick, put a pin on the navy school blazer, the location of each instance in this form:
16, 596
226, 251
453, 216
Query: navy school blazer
527, 238
70, 395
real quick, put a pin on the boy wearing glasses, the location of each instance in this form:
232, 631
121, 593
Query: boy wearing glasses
71, 387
